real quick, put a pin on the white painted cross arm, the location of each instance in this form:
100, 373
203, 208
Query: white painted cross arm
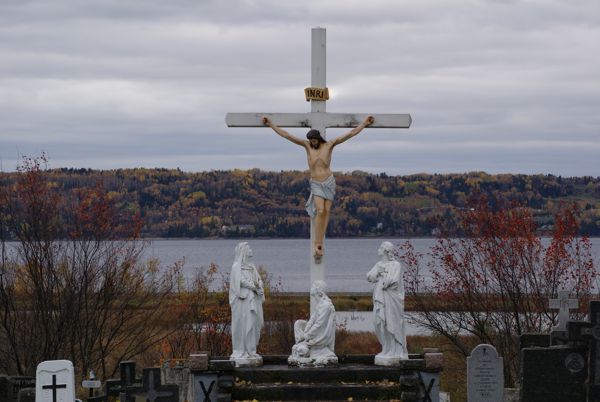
318, 120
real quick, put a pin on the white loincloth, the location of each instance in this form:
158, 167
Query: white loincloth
324, 189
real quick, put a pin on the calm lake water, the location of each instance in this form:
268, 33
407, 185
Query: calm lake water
347, 260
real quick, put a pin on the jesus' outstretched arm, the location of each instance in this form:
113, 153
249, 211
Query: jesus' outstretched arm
267, 122
342, 138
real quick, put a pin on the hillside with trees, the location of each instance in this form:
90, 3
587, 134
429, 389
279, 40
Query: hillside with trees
255, 203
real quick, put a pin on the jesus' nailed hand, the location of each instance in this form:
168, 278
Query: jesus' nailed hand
322, 183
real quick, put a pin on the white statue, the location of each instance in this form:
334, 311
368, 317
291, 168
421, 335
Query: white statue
388, 307
246, 296
315, 338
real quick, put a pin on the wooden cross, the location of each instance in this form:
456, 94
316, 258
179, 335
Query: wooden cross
318, 119
54, 387
563, 304
589, 332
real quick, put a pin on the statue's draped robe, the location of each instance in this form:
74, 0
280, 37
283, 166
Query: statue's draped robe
246, 310
388, 308
319, 331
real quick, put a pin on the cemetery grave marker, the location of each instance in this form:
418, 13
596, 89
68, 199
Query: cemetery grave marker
10, 386
553, 374
558, 333
485, 375
429, 386
26, 395
589, 332
55, 381
563, 304
152, 390
115, 388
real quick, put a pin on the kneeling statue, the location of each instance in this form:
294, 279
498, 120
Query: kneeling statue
315, 338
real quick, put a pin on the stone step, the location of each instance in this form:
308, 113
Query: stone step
343, 359
324, 392
349, 373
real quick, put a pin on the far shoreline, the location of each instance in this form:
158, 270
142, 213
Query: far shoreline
306, 238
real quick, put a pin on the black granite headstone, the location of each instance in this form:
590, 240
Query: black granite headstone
11, 385
554, 374
116, 388
152, 390
588, 333
530, 340
26, 395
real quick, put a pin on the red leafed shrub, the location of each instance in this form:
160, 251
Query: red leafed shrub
73, 284
494, 282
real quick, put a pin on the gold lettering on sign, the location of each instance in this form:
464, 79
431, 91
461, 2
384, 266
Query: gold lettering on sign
316, 94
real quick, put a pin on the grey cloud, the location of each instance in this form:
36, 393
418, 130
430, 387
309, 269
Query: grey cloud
132, 81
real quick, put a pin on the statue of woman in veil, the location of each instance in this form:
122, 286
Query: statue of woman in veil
246, 296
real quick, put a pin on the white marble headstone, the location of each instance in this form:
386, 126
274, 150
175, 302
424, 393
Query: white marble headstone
55, 381
485, 375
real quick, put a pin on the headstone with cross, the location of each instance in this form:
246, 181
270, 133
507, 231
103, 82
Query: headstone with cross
55, 381
116, 388
582, 332
563, 304
317, 119
152, 390
485, 375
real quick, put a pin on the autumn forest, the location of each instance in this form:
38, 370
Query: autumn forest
255, 203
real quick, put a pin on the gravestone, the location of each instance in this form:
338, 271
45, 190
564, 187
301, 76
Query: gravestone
115, 388
55, 381
511, 395
26, 395
204, 386
11, 385
429, 386
563, 304
152, 390
485, 375
588, 334
212, 381
178, 375
553, 374
530, 340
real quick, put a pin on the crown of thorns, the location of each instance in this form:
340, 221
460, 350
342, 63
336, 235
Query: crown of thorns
315, 134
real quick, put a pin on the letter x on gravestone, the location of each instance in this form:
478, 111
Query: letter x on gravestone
318, 119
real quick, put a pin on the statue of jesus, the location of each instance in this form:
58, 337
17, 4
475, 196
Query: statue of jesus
322, 182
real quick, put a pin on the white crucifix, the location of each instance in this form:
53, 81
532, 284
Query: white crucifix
563, 304
317, 119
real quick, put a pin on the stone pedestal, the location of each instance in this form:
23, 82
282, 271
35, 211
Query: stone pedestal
388, 361
321, 361
354, 378
248, 361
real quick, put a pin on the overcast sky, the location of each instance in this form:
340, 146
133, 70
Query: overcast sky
497, 86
